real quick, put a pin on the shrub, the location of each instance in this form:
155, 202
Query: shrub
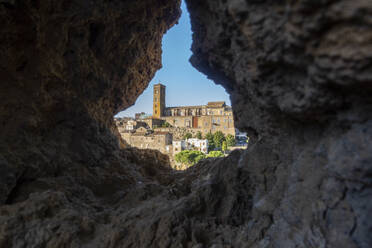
187, 136
215, 154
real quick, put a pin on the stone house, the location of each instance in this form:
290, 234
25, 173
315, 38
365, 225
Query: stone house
197, 144
145, 139
178, 146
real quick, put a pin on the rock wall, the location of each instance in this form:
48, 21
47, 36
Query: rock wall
298, 73
299, 77
66, 68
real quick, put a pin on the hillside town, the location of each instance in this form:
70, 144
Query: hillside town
208, 130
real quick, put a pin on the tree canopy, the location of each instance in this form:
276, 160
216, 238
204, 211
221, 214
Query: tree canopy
230, 140
218, 138
192, 157
209, 137
199, 135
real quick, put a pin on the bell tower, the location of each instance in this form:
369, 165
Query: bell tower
159, 100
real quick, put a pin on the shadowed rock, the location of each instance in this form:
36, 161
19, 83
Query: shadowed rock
299, 78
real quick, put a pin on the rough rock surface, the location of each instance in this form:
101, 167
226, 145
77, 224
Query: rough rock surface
299, 74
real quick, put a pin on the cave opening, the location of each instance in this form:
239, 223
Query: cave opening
298, 74
182, 113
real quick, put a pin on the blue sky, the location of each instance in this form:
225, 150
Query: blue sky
184, 84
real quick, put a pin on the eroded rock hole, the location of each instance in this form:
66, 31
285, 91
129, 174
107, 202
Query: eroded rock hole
182, 114
298, 74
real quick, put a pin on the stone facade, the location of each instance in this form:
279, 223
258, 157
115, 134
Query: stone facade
153, 122
145, 139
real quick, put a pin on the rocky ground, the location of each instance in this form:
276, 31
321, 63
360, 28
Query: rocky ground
299, 76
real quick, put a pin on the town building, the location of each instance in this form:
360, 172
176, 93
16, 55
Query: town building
215, 116
197, 144
178, 146
140, 115
146, 139
190, 144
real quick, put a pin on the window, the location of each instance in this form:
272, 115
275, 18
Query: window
155, 99
220, 112
156, 111
156, 91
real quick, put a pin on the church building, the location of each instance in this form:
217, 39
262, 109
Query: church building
215, 116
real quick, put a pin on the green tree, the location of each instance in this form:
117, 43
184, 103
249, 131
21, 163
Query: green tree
209, 137
218, 138
199, 135
187, 136
189, 157
230, 140
224, 146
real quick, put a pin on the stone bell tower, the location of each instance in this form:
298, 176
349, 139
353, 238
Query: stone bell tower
159, 100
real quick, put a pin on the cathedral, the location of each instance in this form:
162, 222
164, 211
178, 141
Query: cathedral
215, 116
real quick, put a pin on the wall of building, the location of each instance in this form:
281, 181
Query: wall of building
205, 124
155, 141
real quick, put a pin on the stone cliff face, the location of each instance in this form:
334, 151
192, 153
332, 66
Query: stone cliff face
66, 68
299, 76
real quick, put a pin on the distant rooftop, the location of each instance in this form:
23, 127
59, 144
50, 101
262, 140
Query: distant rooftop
216, 104
209, 104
